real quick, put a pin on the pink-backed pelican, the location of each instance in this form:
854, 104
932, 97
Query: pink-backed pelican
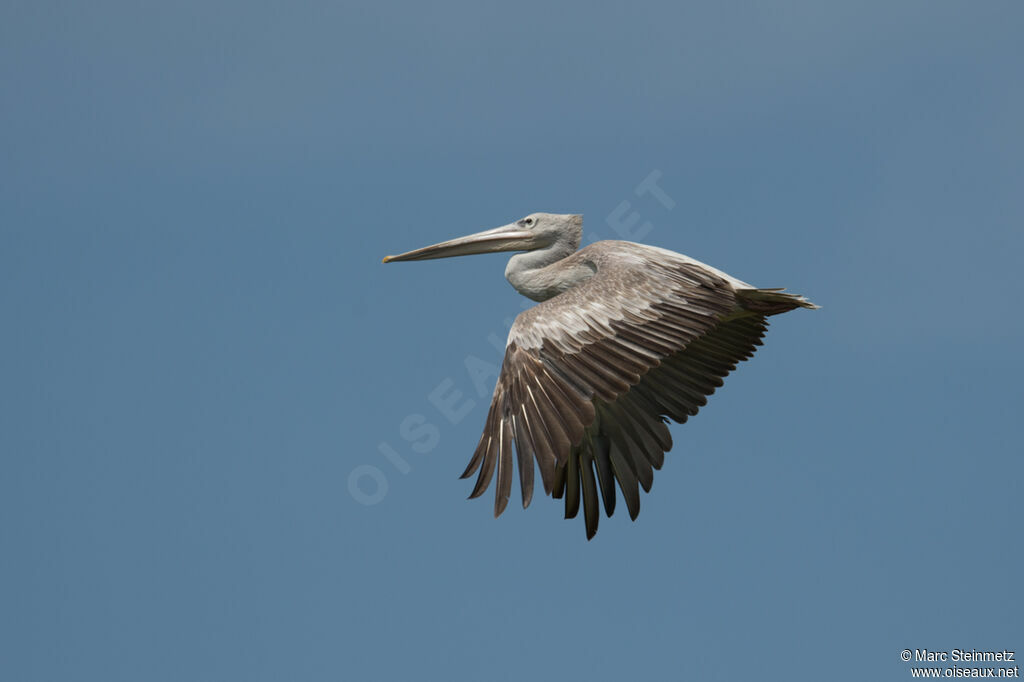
625, 337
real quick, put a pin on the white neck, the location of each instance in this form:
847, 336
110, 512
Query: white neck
539, 275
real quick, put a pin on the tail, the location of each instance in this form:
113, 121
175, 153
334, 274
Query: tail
771, 301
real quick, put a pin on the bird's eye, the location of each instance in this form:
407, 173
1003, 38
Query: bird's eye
527, 222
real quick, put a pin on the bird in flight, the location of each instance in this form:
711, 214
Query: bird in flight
625, 337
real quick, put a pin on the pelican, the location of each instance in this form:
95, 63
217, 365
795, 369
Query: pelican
624, 338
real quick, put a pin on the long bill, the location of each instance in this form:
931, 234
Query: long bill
505, 238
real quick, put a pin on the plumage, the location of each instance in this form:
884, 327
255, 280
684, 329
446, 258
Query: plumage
624, 337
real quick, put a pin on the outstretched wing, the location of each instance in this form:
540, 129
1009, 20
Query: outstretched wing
564, 398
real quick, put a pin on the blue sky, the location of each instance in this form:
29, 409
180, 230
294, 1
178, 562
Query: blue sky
200, 345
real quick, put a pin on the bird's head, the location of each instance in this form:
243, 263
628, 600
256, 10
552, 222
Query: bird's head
535, 231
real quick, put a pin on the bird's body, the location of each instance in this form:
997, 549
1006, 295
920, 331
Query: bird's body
624, 337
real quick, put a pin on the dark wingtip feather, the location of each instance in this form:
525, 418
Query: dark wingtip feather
591, 504
605, 479
572, 487
474, 462
503, 486
486, 471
